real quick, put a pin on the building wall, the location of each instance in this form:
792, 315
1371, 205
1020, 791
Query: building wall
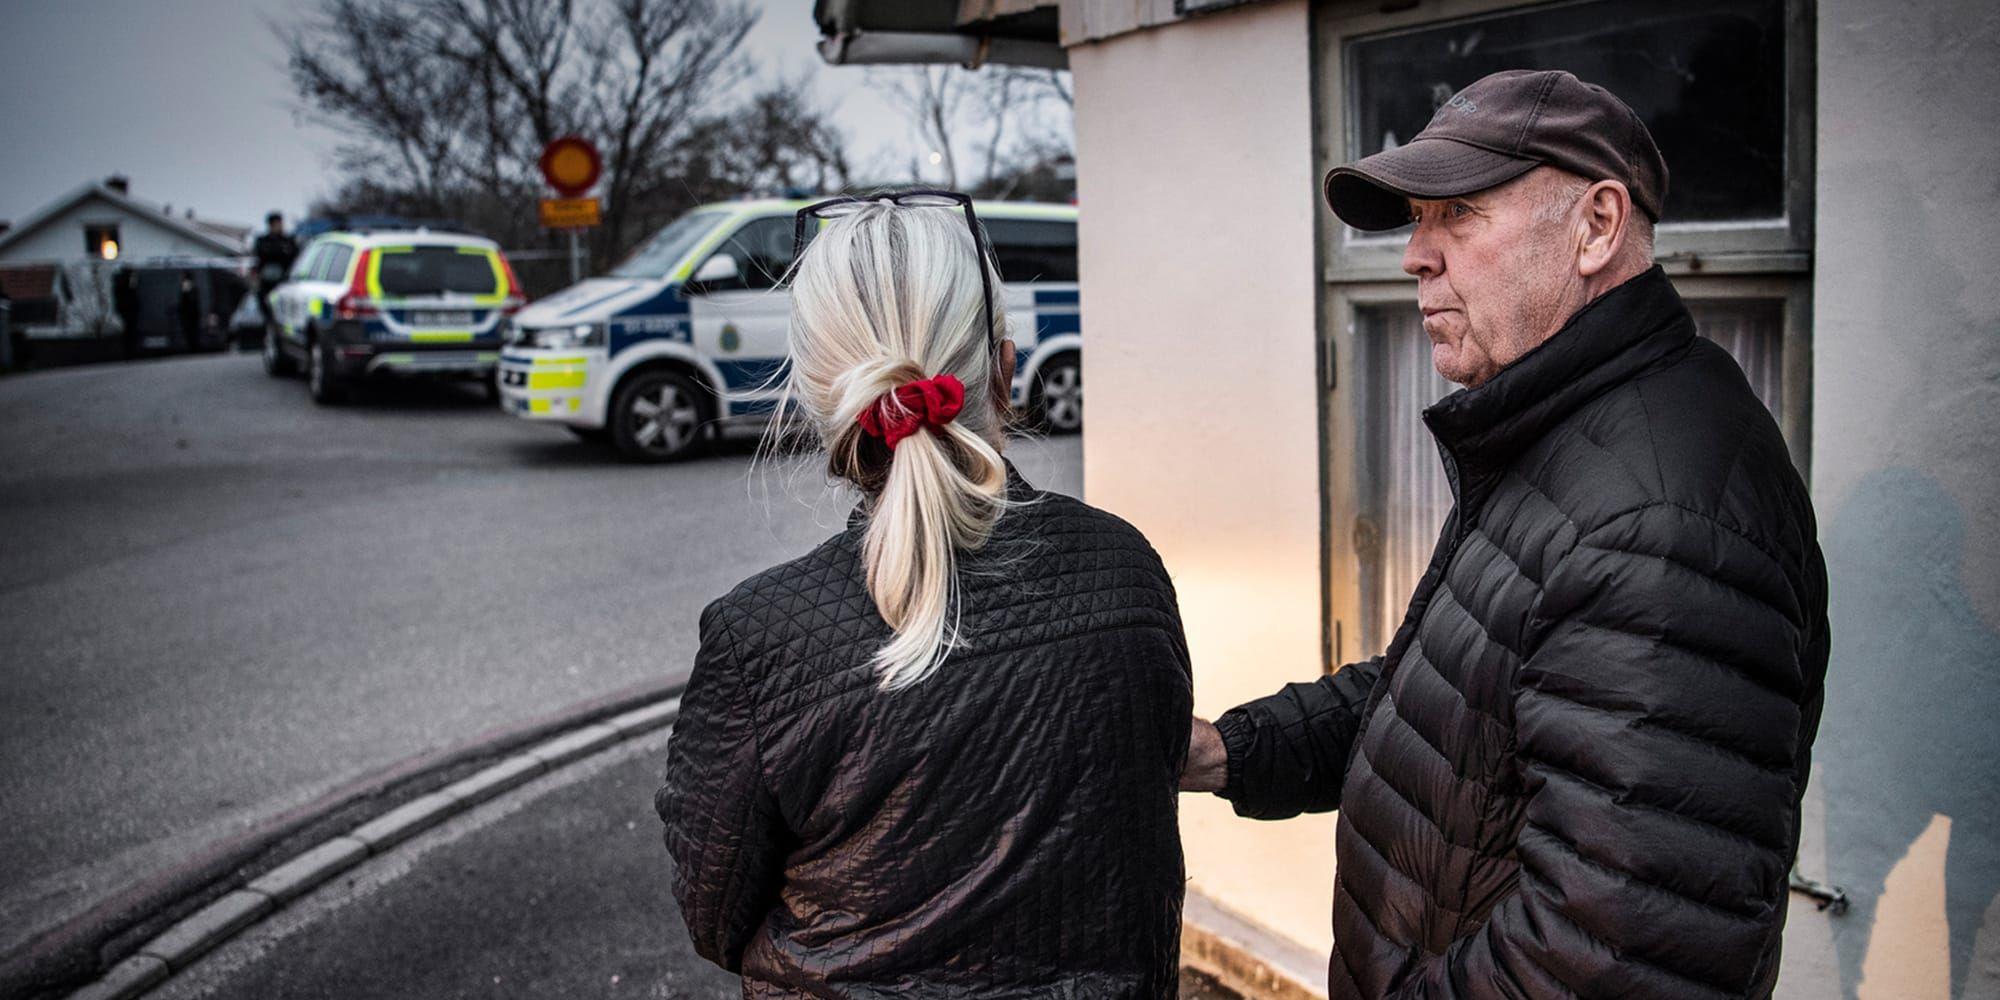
1194, 176
1905, 807
61, 239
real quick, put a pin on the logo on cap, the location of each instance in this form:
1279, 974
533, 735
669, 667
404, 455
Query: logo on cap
1459, 103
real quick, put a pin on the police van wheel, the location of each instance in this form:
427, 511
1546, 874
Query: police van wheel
659, 416
326, 387
1057, 403
276, 364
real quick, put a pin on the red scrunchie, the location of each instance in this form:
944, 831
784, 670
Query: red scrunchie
930, 402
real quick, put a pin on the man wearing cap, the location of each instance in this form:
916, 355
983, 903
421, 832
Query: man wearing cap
1576, 771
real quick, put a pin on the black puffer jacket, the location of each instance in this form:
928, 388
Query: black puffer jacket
1004, 828
1577, 770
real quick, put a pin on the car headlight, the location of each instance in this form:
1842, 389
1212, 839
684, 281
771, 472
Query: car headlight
562, 338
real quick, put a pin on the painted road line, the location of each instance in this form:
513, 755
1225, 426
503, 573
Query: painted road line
184, 942
211, 925
516, 770
296, 877
563, 749
126, 980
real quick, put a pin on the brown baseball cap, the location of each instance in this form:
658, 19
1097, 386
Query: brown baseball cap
1495, 130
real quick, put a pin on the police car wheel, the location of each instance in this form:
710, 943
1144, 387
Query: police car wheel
658, 417
326, 387
1058, 399
276, 364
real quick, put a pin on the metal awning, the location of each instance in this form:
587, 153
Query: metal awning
970, 33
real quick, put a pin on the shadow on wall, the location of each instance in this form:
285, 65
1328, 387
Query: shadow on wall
1912, 709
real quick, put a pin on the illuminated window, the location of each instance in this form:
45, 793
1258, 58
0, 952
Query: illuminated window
101, 242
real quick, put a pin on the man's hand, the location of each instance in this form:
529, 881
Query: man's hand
1208, 762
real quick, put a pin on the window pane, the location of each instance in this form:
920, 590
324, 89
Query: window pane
763, 251
1405, 494
1707, 76
1032, 250
434, 271
658, 255
335, 266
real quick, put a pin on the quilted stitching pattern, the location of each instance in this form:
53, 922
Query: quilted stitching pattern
1007, 827
1579, 770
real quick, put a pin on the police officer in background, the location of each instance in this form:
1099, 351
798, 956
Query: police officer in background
275, 252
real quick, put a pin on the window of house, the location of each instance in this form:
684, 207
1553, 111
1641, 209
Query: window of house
101, 242
1725, 87
1706, 76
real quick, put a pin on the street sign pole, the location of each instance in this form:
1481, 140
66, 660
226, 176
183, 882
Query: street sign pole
571, 165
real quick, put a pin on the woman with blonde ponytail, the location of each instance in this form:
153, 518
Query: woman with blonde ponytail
938, 755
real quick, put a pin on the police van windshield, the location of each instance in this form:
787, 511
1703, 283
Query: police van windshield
435, 270
657, 256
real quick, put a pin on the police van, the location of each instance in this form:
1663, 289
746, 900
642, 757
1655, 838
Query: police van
684, 338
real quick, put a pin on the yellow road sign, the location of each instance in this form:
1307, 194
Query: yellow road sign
569, 213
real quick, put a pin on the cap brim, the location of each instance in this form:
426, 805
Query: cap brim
1373, 193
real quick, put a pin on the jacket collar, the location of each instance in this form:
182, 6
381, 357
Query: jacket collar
1608, 342
1018, 490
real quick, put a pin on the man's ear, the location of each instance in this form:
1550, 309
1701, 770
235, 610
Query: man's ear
1607, 207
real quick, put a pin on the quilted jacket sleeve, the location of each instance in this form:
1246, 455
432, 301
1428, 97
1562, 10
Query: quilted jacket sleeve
1658, 720
722, 827
1288, 751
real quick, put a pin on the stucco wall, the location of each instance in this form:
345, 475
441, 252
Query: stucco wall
61, 238
1905, 808
1194, 180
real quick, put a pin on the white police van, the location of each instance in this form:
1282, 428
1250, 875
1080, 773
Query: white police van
683, 339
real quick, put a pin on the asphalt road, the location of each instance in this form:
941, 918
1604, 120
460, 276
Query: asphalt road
558, 889
218, 601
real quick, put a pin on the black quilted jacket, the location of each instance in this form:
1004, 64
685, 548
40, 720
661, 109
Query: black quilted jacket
1577, 770
1004, 828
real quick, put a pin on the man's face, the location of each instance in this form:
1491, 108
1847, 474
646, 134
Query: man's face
275, 227
1491, 275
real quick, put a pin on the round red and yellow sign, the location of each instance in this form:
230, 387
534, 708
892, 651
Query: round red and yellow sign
571, 165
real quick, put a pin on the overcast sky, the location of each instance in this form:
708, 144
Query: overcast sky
190, 100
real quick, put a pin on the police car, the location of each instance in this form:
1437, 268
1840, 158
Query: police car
403, 302
686, 338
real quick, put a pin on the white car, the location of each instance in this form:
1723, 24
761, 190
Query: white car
403, 302
687, 336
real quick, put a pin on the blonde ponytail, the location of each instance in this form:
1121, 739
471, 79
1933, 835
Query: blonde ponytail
882, 299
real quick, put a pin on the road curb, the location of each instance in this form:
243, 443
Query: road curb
102, 946
186, 941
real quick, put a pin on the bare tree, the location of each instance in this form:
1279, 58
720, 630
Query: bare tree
453, 100
1016, 119
931, 98
384, 90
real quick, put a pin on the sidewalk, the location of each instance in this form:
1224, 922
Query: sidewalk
558, 889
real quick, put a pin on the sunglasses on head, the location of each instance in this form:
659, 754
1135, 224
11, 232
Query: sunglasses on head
806, 226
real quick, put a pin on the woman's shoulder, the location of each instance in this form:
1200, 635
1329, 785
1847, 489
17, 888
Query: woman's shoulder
1063, 517
814, 587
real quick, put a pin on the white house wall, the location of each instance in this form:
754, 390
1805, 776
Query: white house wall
61, 239
1905, 807
1194, 177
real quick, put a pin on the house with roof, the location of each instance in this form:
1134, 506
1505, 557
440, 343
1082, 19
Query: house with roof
100, 220
59, 266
